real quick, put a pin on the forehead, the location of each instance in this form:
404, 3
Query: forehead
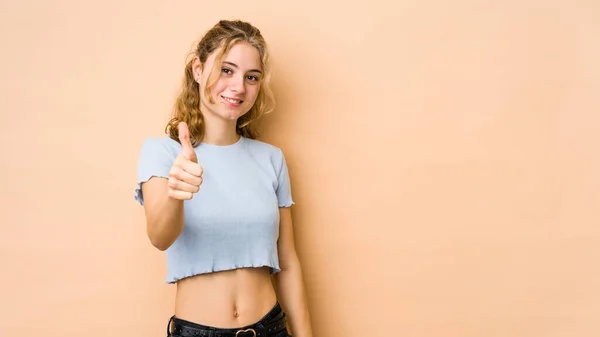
244, 55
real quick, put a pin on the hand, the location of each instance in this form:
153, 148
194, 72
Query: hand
185, 175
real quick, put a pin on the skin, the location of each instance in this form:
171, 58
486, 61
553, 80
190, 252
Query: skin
227, 299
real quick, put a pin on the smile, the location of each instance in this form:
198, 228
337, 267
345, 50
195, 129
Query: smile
231, 100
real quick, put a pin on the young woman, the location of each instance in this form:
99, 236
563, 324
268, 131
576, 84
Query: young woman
217, 200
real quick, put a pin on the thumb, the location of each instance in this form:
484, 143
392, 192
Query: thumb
186, 145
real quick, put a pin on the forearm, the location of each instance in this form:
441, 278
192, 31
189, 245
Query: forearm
165, 222
291, 293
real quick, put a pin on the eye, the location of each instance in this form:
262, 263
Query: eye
226, 71
253, 78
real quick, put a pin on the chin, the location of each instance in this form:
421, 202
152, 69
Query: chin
232, 115
228, 116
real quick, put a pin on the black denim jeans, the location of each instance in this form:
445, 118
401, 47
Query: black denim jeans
273, 324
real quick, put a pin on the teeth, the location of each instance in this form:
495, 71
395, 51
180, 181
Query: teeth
235, 101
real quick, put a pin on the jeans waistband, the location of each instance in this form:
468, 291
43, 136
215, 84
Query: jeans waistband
272, 323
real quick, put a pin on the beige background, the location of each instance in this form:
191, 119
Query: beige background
443, 154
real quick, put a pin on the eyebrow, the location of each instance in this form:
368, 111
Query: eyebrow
235, 66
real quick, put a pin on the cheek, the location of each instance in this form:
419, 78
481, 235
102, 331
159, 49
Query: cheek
218, 88
252, 93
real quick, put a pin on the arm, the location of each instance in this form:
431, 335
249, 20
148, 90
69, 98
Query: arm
289, 283
163, 198
164, 215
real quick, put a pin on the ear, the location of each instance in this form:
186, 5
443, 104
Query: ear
196, 67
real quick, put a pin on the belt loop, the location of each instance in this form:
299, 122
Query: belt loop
260, 328
169, 326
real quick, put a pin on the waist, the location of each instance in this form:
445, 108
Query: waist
226, 299
271, 324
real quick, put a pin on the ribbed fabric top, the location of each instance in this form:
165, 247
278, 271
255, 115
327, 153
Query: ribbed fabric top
233, 221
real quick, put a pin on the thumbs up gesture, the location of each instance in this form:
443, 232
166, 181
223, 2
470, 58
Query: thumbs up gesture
185, 175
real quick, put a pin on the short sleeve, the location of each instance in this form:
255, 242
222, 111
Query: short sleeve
155, 160
284, 191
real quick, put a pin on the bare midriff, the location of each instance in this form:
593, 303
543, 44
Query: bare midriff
226, 299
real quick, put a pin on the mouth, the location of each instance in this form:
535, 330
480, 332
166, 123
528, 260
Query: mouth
232, 100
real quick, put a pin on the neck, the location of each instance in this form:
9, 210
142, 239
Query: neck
219, 132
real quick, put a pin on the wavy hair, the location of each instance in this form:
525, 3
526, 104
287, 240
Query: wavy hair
186, 109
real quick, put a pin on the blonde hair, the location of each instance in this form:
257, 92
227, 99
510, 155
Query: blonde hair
224, 34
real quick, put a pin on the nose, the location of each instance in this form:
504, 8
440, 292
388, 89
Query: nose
238, 85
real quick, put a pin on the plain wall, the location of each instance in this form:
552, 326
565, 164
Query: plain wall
443, 156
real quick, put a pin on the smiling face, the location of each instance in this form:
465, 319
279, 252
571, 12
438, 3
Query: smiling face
236, 82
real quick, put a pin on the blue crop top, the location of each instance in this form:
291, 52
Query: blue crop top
233, 221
